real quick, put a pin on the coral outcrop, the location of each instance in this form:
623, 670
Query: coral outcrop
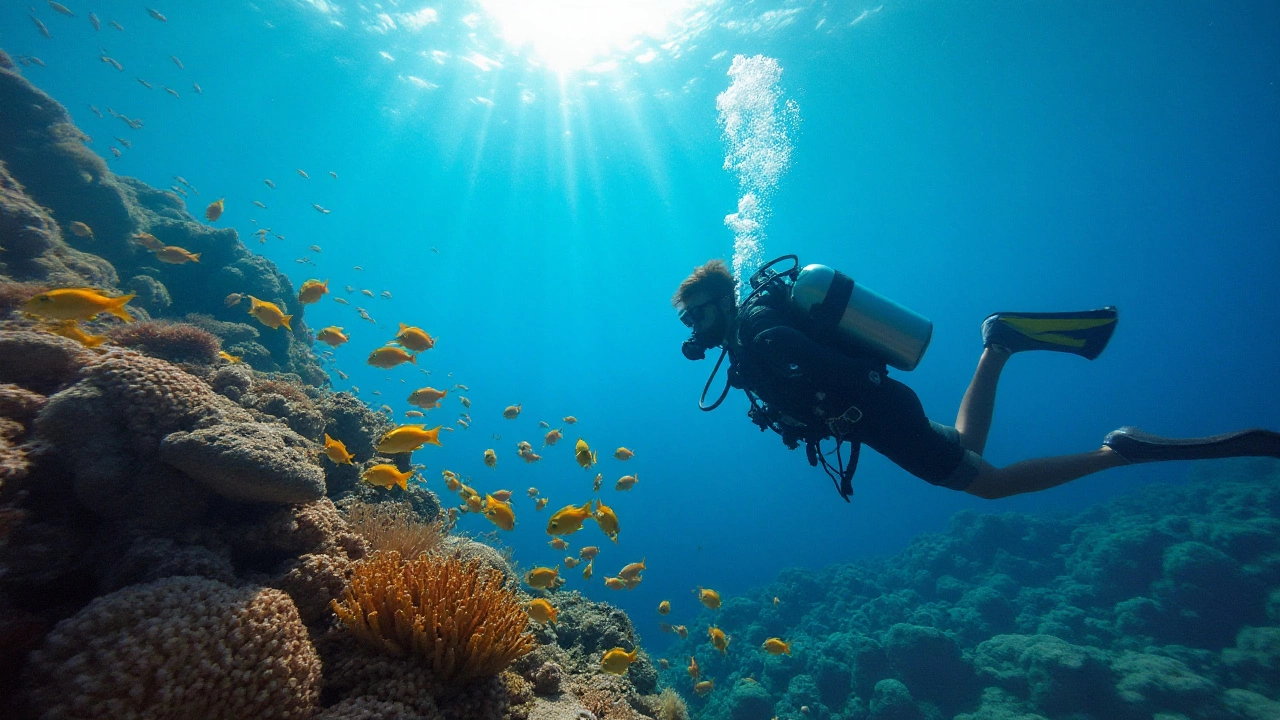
181, 647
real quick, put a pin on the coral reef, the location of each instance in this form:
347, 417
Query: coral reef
1161, 603
456, 617
228, 653
175, 342
49, 179
169, 539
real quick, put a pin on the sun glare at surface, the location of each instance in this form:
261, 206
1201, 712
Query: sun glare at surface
568, 35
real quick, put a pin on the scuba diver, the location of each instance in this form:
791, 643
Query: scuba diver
811, 349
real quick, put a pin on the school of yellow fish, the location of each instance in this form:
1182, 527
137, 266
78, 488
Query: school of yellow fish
66, 309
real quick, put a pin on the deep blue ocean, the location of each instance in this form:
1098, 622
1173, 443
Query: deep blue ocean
531, 181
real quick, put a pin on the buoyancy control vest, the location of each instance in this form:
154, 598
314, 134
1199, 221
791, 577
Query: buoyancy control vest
807, 398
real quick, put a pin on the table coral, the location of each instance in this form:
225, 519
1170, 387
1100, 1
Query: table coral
455, 617
178, 648
253, 462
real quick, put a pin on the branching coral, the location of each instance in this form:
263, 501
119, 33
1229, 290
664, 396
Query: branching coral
175, 342
456, 617
393, 526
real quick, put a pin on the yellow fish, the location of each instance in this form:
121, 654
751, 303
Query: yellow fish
214, 211
511, 412
474, 503
542, 578
389, 357
427, 397
615, 583
569, 419
332, 336
149, 241
233, 359
69, 329
81, 230
78, 304
490, 458
776, 600
607, 520
571, 562
775, 646
503, 495
414, 338
453, 483
533, 492
664, 607
542, 611
499, 513
632, 583
623, 454
632, 571
312, 291
694, 670
174, 255
586, 572
386, 475
710, 598
595, 484
568, 519
682, 631
719, 640
552, 437
408, 438
540, 503
583, 454
529, 456
466, 402
414, 413
589, 552
269, 314
625, 482
704, 687
336, 451
558, 543
617, 660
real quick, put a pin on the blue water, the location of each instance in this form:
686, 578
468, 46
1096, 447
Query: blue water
961, 158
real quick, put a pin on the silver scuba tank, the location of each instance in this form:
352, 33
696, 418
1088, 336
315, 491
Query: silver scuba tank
861, 316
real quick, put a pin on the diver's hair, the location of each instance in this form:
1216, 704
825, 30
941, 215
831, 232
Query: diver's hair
713, 278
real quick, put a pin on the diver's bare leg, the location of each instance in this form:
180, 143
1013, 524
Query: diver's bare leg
1040, 474
979, 403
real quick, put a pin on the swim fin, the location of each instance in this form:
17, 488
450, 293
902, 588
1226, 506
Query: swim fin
1083, 333
1137, 446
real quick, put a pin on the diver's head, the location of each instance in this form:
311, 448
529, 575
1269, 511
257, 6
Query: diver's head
706, 303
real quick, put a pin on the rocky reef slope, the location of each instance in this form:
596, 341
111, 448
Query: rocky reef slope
172, 538
1161, 604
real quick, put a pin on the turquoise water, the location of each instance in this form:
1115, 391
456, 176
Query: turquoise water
961, 158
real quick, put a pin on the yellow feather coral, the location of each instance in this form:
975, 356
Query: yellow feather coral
455, 616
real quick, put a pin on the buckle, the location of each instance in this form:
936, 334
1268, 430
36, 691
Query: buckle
843, 424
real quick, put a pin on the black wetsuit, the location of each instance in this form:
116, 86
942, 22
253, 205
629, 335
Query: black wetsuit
817, 390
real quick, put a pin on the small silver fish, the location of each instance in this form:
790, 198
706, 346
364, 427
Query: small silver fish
333, 174
177, 62
93, 20
113, 63
41, 27
145, 84
60, 8
260, 204
170, 90
270, 184
304, 175
322, 210
95, 110
156, 14
116, 25
196, 87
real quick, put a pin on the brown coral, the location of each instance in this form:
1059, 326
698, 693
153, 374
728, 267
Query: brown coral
393, 526
183, 647
175, 342
456, 617
40, 361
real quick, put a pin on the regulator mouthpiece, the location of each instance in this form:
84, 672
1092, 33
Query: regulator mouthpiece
692, 349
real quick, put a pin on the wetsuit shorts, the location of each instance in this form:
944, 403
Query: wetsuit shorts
894, 425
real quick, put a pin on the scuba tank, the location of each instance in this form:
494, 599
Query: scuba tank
854, 314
